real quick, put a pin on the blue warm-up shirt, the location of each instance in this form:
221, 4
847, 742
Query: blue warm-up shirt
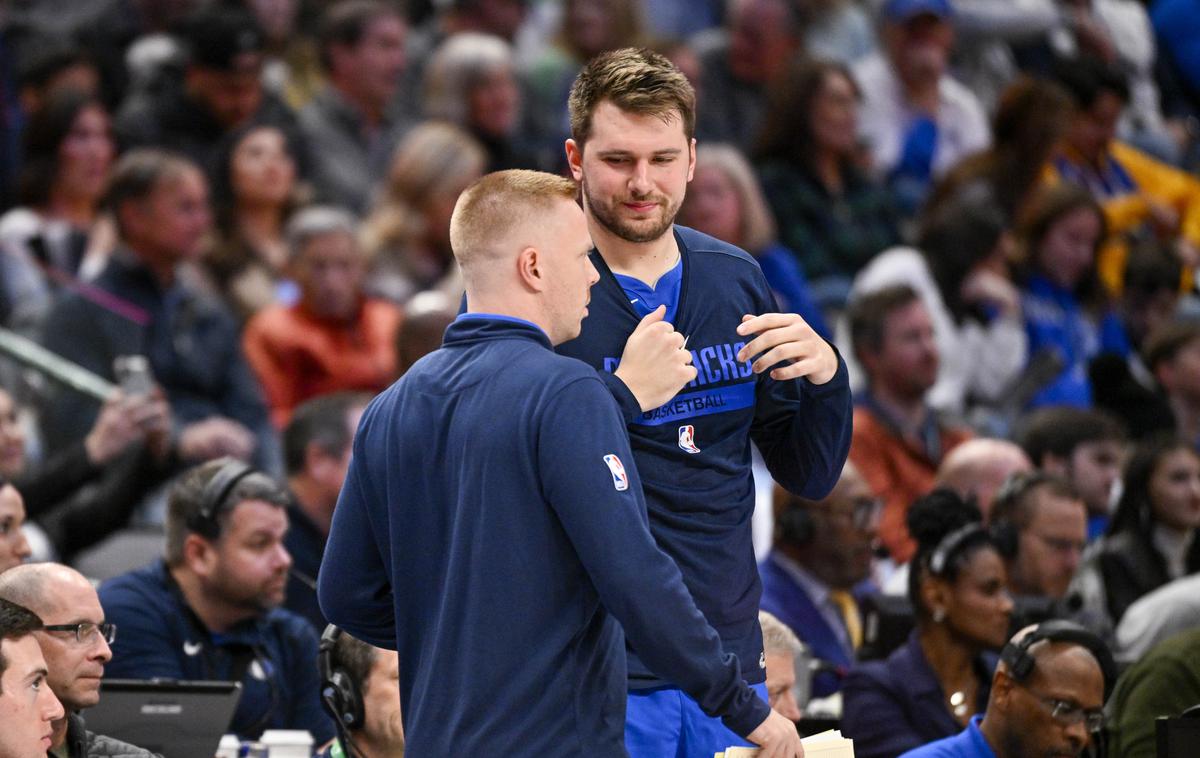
693, 454
492, 529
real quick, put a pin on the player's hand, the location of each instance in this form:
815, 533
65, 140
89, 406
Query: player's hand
777, 737
787, 338
655, 365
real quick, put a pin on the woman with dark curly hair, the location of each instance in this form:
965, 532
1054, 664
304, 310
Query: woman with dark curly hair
931, 686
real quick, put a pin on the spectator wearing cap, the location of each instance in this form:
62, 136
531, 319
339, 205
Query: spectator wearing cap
334, 338
209, 609
221, 90
353, 124
916, 119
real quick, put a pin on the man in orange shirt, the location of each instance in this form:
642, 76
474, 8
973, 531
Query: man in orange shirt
898, 441
334, 338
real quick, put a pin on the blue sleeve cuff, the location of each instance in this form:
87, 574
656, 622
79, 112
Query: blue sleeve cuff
628, 404
748, 717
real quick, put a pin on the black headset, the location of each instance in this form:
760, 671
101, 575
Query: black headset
1020, 663
212, 497
795, 525
339, 694
952, 544
1016, 487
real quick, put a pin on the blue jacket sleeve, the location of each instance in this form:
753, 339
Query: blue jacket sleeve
146, 646
873, 714
600, 505
353, 586
803, 430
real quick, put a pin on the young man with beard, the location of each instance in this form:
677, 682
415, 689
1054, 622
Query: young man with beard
761, 376
210, 610
898, 439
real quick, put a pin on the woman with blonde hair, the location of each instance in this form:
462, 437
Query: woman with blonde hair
726, 202
408, 232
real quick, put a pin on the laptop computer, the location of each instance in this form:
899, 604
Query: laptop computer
179, 719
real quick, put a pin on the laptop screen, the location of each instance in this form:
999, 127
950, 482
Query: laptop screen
179, 719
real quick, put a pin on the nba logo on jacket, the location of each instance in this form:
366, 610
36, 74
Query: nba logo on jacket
687, 439
617, 469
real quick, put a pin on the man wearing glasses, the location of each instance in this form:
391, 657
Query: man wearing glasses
74, 640
819, 565
1047, 698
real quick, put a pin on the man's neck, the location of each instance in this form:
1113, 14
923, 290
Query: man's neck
812, 565
370, 112
366, 747
644, 261
313, 501
218, 617
907, 410
162, 269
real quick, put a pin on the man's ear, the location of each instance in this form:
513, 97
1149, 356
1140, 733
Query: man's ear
199, 555
575, 159
691, 159
529, 269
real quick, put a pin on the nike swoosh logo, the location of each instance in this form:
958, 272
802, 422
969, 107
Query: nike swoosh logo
634, 301
192, 648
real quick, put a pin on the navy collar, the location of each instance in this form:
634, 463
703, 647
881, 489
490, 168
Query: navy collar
472, 327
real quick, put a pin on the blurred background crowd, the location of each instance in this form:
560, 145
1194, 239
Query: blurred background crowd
990, 206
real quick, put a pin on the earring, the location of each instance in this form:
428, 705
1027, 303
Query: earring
939, 615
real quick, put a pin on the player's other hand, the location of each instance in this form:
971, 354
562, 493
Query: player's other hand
655, 365
777, 737
786, 338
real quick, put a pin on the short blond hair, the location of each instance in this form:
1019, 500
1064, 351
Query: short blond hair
636, 80
494, 207
777, 637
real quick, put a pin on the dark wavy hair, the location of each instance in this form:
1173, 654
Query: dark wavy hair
47, 129
1135, 511
932, 520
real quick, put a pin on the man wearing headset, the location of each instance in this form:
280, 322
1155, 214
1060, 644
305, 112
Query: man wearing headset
1047, 698
360, 688
210, 609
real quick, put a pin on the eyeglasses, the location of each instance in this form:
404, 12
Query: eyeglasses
863, 512
1067, 713
85, 630
1060, 545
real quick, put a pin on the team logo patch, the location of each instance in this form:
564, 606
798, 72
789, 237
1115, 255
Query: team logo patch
687, 439
617, 469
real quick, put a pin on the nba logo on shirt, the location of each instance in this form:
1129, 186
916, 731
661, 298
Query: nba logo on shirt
617, 469
687, 439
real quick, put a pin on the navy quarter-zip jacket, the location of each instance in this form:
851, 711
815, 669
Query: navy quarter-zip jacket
492, 529
693, 453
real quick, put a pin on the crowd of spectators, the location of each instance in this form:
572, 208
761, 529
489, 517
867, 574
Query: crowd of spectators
991, 208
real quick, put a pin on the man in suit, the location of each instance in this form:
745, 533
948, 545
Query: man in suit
820, 560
